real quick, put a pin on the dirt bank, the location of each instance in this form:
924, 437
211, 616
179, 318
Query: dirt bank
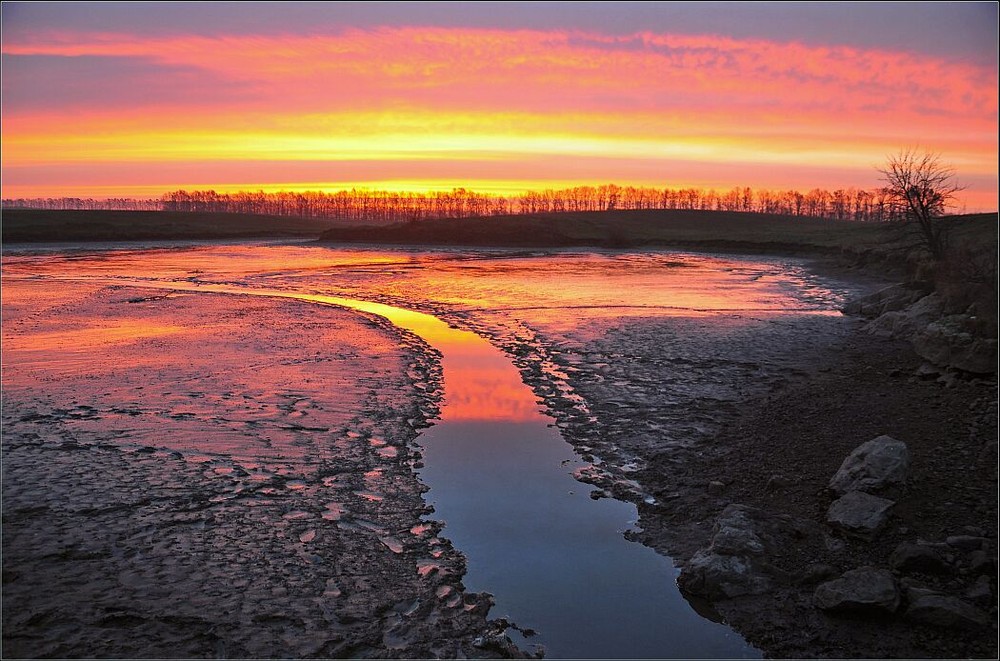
779, 456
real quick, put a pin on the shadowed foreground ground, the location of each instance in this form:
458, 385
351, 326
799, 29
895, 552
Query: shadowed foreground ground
775, 449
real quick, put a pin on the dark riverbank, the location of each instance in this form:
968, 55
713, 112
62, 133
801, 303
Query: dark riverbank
712, 231
778, 458
64, 226
772, 453
676, 229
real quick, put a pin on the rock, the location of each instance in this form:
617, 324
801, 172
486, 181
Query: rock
917, 557
862, 591
716, 488
500, 643
833, 544
890, 324
873, 465
777, 482
965, 542
859, 514
913, 588
815, 573
895, 297
718, 576
928, 372
904, 323
735, 533
946, 342
945, 611
981, 592
734, 563
980, 562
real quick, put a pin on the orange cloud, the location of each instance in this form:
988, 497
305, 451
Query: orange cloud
495, 100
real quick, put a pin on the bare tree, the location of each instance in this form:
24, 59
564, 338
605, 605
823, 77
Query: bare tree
919, 190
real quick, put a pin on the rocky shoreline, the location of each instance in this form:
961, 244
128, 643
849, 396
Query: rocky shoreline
938, 540
747, 511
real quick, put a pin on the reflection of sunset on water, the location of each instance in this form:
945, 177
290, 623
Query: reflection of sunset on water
563, 290
557, 285
479, 382
485, 388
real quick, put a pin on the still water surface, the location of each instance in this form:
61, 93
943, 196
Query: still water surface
556, 561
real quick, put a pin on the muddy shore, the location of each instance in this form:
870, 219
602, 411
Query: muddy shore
182, 480
321, 550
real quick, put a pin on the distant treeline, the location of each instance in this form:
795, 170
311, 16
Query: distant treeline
389, 206
84, 204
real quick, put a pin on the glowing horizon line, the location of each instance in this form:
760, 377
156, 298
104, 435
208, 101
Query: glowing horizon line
498, 189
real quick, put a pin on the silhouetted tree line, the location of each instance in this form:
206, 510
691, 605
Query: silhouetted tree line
355, 204
389, 206
89, 204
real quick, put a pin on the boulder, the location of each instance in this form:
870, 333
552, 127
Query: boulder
916, 557
716, 488
718, 576
862, 591
873, 465
981, 562
948, 343
945, 611
859, 514
816, 572
894, 297
735, 532
904, 323
777, 483
734, 563
965, 542
981, 592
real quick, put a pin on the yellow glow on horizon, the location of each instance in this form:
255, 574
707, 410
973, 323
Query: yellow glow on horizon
429, 108
966, 201
169, 146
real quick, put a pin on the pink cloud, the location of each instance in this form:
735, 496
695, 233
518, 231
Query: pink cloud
791, 103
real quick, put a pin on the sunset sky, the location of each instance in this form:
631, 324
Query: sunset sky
121, 99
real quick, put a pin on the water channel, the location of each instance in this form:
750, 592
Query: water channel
501, 478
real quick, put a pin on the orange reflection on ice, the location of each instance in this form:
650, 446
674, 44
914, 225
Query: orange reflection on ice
71, 349
115, 331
